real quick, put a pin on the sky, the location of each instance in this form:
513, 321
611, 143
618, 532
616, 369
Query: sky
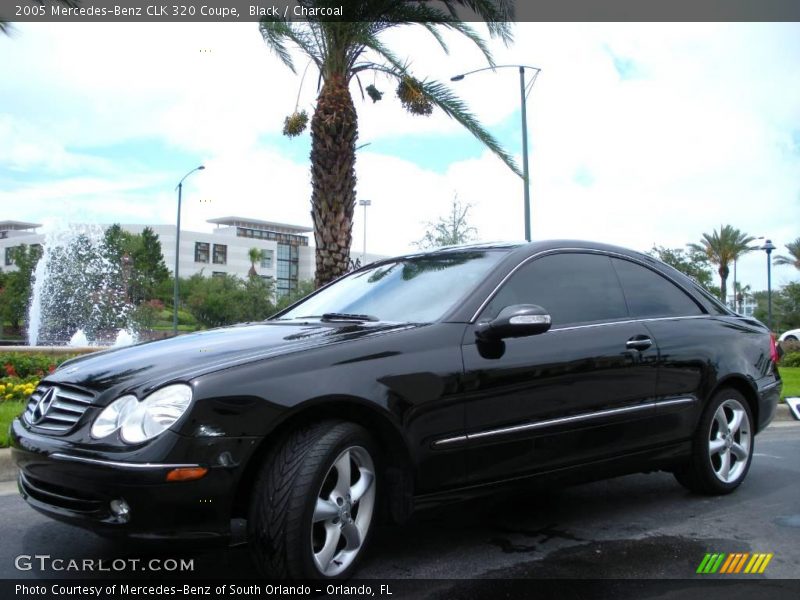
640, 134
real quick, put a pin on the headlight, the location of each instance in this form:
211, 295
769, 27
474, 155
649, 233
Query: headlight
141, 421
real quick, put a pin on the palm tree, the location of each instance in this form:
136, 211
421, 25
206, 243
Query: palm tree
722, 248
344, 51
5, 26
794, 255
256, 255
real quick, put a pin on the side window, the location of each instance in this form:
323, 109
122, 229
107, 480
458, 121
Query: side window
651, 295
572, 287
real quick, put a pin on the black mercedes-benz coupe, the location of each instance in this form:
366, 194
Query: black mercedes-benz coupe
408, 382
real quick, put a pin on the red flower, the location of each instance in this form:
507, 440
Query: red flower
51, 369
10, 370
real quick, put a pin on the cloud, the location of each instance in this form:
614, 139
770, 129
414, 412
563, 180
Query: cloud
640, 134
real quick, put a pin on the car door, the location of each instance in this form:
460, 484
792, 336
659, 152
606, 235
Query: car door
686, 335
581, 391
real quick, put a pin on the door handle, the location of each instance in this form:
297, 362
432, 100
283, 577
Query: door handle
639, 343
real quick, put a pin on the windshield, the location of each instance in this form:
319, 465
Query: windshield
417, 289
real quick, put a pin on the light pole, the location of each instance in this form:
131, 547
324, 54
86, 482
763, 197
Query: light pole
179, 188
768, 247
523, 109
365, 204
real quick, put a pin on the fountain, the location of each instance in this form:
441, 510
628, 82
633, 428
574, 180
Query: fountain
78, 295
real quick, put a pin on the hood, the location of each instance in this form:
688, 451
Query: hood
150, 364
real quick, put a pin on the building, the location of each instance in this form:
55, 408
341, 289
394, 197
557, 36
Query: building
287, 256
15, 233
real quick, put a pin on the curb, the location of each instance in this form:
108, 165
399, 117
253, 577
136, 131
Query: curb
8, 472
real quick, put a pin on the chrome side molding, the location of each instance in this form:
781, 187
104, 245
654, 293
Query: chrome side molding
645, 407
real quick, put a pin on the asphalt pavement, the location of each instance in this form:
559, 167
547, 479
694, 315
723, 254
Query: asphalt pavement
639, 526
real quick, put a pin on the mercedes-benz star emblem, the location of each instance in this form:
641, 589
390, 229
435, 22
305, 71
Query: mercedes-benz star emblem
44, 404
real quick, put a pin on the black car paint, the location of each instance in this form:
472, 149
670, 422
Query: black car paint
417, 385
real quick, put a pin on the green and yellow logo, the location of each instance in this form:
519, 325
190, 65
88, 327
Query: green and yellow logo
734, 563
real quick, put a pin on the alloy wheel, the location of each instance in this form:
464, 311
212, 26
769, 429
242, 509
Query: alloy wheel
729, 441
343, 511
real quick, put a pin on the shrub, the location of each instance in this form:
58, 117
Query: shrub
15, 389
791, 359
24, 364
790, 347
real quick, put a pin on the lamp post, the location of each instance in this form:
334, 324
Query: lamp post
768, 247
179, 188
523, 109
365, 204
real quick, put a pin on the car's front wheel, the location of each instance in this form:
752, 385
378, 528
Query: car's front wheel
722, 448
312, 509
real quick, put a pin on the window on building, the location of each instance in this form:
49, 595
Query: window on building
266, 259
287, 267
220, 254
201, 250
10, 255
217, 274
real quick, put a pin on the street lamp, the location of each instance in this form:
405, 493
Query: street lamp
179, 188
523, 108
365, 204
768, 247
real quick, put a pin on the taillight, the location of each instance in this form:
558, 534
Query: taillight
773, 348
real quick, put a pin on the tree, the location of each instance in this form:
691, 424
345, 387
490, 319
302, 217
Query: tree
148, 265
722, 248
256, 255
17, 285
450, 230
5, 26
304, 288
785, 307
228, 299
342, 52
140, 259
691, 262
794, 255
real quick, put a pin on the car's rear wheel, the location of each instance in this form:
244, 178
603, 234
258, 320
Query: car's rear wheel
722, 447
312, 509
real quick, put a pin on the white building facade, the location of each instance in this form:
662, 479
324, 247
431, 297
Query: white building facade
287, 257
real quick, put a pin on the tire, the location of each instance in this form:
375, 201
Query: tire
305, 521
724, 435
790, 338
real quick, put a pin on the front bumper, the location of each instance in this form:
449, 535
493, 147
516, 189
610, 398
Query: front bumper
77, 486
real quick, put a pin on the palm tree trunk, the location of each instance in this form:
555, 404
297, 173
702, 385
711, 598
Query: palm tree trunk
334, 129
724, 271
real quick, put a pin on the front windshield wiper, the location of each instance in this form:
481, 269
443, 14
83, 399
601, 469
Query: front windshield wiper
334, 316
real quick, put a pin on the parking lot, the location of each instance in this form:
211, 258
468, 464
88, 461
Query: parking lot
640, 526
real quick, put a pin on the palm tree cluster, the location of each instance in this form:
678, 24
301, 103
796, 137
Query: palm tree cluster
793, 259
722, 248
342, 53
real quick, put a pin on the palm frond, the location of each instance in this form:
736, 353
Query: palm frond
277, 32
455, 108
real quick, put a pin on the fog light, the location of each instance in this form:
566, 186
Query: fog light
121, 510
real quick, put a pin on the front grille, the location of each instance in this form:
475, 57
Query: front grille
62, 409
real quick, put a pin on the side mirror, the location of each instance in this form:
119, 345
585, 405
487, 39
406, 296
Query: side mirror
519, 320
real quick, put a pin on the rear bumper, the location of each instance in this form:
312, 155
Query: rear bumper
769, 393
68, 485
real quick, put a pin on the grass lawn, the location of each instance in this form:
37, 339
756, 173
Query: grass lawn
8, 410
791, 381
